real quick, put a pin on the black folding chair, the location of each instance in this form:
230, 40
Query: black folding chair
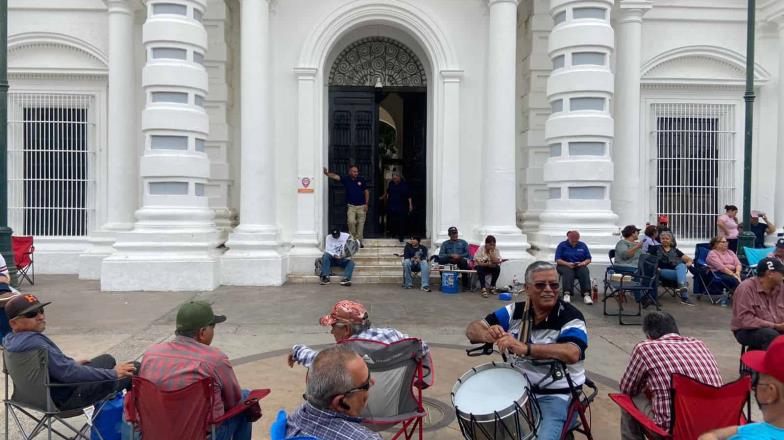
29, 371
642, 285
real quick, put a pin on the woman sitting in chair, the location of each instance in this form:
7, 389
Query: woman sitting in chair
651, 238
673, 266
488, 262
723, 262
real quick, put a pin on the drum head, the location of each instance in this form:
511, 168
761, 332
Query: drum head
491, 388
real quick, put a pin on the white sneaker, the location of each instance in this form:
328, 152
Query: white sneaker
587, 299
567, 298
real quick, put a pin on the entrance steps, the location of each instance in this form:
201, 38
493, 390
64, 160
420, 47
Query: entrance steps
374, 264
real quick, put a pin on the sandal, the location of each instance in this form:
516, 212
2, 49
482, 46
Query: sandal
493, 291
484, 292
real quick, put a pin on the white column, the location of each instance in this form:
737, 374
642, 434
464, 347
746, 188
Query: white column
626, 200
449, 157
121, 157
779, 199
307, 235
173, 245
498, 185
579, 131
253, 257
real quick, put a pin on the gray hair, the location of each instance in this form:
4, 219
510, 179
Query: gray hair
657, 324
665, 234
359, 328
537, 266
329, 376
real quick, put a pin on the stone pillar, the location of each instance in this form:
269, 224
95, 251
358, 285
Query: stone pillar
579, 131
626, 194
122, 158
450, 195
253, 257
498, 185
173, 245
779, 198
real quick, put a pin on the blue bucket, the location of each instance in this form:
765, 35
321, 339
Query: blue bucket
450, 282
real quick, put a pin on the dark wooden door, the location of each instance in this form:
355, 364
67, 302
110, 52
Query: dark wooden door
353, 140
415, 157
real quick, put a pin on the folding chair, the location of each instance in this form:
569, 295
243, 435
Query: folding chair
278, 429
185, 413
29, 371
579, 405
707, 283
694, 408
642, 284
753, 257
23, 257
396, 396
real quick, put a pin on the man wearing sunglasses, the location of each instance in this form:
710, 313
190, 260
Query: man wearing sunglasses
27, 319
768, 367
557, 331
337, 391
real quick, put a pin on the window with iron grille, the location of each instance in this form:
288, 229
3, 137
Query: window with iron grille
694, 163
51, 155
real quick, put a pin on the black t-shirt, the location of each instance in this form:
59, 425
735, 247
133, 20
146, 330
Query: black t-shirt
759, 234
669, 259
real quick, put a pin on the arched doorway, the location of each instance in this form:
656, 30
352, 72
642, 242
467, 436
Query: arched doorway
378, 121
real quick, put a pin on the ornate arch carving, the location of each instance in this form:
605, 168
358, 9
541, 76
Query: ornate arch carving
367, 60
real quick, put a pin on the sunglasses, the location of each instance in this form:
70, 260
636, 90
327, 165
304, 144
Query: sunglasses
30, 315
364, 387
541, 286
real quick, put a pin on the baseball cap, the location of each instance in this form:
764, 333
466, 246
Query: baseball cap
346, 312
767, 264
629, 230
770, 361
451, 230
664, 219
21, 304
335, 233
780, 243
194, 315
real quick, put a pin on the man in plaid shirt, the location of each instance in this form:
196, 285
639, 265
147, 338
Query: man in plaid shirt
647, 378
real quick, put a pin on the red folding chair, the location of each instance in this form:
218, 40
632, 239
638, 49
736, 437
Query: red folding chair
23, 257
180, 414
696, 408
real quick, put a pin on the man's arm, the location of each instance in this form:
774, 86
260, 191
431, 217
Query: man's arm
719, 434
230, 387
480, 332
331, 175
464, 252
632, 380
303, 355
566, 352
744, 311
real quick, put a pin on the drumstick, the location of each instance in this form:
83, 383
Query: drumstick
525, 325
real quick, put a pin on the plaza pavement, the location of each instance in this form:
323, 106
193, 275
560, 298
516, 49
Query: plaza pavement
263, 322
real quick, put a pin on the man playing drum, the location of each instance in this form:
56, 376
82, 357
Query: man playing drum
557, 331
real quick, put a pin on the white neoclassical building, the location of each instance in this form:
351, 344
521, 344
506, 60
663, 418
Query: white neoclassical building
179, 144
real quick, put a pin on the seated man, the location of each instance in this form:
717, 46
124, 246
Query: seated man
337, 392
758, 306
628, 250
348, 320
769, 392
647, 377
488, 262
778, 253
557, 331
455, 251
572, 258
28, 321
334, 255
415, 260
189, 358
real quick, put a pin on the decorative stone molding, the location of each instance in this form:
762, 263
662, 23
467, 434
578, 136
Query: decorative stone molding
682, 66
81, 58
378, 59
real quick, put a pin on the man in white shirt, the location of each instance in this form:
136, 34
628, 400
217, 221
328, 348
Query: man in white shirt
335, 255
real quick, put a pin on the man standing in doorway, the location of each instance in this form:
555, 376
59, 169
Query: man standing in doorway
357, 198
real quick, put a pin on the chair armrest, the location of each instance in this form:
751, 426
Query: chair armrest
253, 398
129, 410
627, 405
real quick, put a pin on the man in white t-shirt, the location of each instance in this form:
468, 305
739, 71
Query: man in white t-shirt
335, 255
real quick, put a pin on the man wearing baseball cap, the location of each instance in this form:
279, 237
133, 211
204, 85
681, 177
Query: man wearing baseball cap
769, 392
334, 255
758, 306
778, 252
455, 251
348, 320
27, 319
190, 357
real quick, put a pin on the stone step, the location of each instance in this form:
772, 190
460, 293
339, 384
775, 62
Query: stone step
365, 260
387, 242
358, 279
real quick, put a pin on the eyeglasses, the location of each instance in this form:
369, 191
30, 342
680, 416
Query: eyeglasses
541, 286
722, 241
364, 387
33, 314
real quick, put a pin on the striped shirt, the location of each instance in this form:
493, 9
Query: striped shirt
564, 324
323, 424
183, 361
654, 361
3, 266
305, 355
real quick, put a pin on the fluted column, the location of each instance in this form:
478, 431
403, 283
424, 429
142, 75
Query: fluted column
173, 245
779, 198
580, 128
121, 153
626, 200
498, 185
253, 257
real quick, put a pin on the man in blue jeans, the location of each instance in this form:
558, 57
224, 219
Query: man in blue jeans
560, 333
334, 255
415, 260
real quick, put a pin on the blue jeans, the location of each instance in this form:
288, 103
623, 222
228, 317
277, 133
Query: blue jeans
553, 410
237, 427
328, 260
424, 270
678, 275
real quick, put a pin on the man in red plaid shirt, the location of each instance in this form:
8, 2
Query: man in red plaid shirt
647, 378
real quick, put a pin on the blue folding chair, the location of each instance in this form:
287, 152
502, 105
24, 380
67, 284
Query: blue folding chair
706, 282
278, 429
753, 257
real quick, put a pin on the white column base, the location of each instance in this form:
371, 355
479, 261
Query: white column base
303, 253
100, 246
597, 229
253, 258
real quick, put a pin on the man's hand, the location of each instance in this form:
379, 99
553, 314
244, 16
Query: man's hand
124, 370
365, 207
290, 360
326, 171
496, 332
83, 361
510, 344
